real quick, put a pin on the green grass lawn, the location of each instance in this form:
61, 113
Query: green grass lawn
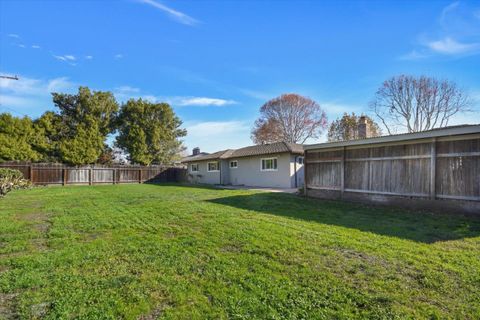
179, 252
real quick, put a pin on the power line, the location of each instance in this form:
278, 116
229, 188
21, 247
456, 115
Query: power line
9, 77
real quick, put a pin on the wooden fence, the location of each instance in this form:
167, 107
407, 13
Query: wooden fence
439, 168
47, 174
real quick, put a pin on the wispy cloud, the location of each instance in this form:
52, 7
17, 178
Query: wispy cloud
13, 35
414, 55
228, 134
200, 101
456, 34
35, 46
124, 93
30, 94
126, 89
89, 57
21, 45
452, 47
118, 56
67, 57
172, 13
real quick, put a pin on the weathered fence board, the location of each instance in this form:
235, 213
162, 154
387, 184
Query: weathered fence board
436, 168
45, 174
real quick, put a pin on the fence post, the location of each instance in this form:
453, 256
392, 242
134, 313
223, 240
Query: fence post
304, 173
433, 168
64, 174
140, 175
90, 176
30, 173
113, 176
342, 173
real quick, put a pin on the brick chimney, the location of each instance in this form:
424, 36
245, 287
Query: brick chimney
196, 151
363, 131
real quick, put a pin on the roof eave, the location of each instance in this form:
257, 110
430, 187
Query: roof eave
400, 137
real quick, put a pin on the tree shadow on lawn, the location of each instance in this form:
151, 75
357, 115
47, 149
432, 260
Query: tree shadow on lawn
401, 223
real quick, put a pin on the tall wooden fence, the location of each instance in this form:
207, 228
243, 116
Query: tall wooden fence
443, 168
47, 174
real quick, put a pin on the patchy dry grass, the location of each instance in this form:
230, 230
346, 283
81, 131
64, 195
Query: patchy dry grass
178, 252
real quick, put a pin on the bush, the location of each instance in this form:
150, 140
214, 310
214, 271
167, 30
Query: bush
12, 179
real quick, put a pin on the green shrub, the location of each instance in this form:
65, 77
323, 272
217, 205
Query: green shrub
12, 179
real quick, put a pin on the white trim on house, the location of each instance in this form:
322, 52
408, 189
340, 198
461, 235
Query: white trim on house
196, 167
213, 162
233, 162
274, 164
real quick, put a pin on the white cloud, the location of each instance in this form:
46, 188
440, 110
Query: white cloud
32, 95
200, 101
22, 46
213, 136
174, 14
13, 35
450, 46
89, 57
126, 89
35, 46
414, 55
67, 57
118, 56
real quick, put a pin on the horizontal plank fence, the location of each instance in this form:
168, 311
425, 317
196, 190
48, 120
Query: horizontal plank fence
50, 174
431, 169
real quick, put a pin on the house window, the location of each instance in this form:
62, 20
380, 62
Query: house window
194, 167
269, 164
213, 166
234, 164
300, 160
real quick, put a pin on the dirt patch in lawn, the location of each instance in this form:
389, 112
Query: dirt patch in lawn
41, 224
7, 306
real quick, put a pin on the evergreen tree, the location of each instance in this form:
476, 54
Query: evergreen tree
149, 132
16, 136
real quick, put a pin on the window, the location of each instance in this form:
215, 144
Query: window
194, 167
300, 160
269, 164
213, 166
234, 164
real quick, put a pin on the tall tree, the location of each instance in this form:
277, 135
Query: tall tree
16, 137
149, 132
290, 118
266, 131
418, 103
346, 128
82, 124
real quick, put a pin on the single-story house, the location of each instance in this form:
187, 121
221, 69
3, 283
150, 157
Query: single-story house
278, 165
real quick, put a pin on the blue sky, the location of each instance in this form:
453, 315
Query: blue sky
217, 62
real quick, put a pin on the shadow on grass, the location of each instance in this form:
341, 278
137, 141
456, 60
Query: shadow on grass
416, 226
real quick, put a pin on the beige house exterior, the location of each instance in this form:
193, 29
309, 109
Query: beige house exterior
276, 165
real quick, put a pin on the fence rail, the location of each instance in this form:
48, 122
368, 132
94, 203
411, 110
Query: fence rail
441, 168
50, 174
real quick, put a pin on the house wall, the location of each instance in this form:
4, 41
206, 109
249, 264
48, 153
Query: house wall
203, 176
249, 172
300, 172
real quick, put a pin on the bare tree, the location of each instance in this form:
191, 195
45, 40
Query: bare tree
265, 131
290, 118
418, 103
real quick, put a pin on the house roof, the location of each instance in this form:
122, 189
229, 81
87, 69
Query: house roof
263, 149
271, 148
438, 132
